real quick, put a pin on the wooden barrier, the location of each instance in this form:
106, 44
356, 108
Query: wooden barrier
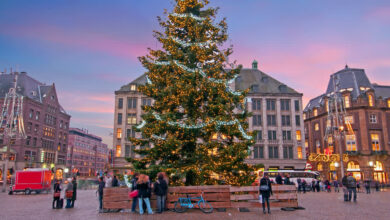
218, 196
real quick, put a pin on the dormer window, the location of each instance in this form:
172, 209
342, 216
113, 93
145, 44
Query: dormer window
255, 88
347, 104
370, 100
315, 112
283, 88
133, 87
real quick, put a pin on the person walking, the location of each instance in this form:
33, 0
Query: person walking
74, 196
143, 186
351, 184
336, 186
367, 186
101, 186
57, 194
133, 182
115, 182
160, 189
279, 179
69, 193
265, 189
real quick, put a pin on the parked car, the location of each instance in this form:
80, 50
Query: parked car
32, 179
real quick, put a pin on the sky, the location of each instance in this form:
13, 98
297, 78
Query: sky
89, 48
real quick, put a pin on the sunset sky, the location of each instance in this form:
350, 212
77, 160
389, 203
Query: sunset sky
89, 48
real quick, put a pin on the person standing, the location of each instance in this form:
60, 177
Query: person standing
101, 186
367, 186
265, 190
299, 182
74, 196
134, 187
160, 189
318, 186
287, 180
69, 193
115, 182
304, 186
57, 194
143, 187
336, 186
108, 181
313, 185
279, 179
351, 184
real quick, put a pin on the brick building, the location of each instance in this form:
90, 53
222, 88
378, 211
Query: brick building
277, 118
366, 140
87, 155
45, 122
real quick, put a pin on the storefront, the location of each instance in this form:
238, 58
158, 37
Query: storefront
354, 168
332, 171
379, 174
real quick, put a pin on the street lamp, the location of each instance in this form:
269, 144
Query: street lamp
336, 164
371, 163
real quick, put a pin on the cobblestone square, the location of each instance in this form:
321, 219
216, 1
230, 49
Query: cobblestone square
318, 206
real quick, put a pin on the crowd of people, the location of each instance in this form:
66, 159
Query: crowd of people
70, 193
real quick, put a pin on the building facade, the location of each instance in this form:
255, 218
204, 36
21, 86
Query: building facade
365, 130
277, 118
87, 155
45, 122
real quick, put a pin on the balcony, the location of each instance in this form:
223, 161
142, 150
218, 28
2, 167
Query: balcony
273, 142
288, 142
380, 152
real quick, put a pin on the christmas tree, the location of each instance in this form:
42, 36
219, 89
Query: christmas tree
193, 131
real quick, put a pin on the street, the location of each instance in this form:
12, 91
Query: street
318, 206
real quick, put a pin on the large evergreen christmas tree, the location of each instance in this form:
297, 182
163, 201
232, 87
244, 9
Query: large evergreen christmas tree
193, 130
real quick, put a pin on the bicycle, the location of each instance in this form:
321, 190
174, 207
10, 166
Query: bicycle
183, 204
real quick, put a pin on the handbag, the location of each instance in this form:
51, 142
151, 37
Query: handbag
133, 193
57, 194
69, 194
261, 198
264, 187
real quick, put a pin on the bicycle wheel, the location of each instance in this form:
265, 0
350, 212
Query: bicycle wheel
205, 206
179, 207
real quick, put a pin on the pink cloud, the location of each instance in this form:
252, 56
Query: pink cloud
381, 14
88, 103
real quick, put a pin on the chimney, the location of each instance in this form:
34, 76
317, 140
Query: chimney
254, 64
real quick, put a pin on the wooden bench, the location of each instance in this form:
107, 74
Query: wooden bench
219, 196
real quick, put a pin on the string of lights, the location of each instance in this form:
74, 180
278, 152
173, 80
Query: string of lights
188, 15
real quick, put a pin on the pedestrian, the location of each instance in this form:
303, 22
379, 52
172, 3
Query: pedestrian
327, 186
115, 182
358, 186
265, 190
166, 178
133, 182
377, 186
313, 185
287, 180
304, 186
160, 189
108, 181
351, 184
367, 186
57, 194
279, 179
344, 182
144, 191
318, 185
101, 186
69, 193
336, 186
299, 182
74, 196
322, 185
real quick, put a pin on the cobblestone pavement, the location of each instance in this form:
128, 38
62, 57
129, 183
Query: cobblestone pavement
318, 206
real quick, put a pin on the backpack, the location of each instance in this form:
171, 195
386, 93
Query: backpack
351, 182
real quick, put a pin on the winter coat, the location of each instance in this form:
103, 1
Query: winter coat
115, 182
351, 182
279, 179
133, 183
74, 182
69, 187
344, 181
143, 190
160, 187
57, 187
267, 193
102, 184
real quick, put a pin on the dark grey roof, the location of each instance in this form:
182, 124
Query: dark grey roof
314, 102
260, 82
139, 81
26, 86
350, 78
382, 91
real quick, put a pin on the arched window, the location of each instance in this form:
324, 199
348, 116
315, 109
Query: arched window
319, 167
353, 166
378, 166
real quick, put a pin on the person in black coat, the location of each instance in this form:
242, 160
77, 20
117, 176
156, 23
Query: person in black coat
160, 189
115, 182
57, 193
144, 193
265, 190
101, 186
279, 179
74, 196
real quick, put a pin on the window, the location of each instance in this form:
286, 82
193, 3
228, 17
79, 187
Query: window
327, 106
370, 100
348, 119
284, 104
119, 118
131, 119
286, 135
373, 119
36, 128
299, 151
259, 136
256, 104
347, 104
258, 152
316, 127
118, 151
29, 126
131, 103
133, 87
271, 135
298, 135
318, 146
315, 112
271, 120
37, 114
127, 150
254, 88
270, 104
328, 123
297, 120
130, 133
388, 103
28, 140
286, 120
330, 148
146, 102
30, 115
304, 116
119, 133
287, 152
350, 142
120, 103
353, 165
296, 103
375, 142
256, 120
319, 167
273, 152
